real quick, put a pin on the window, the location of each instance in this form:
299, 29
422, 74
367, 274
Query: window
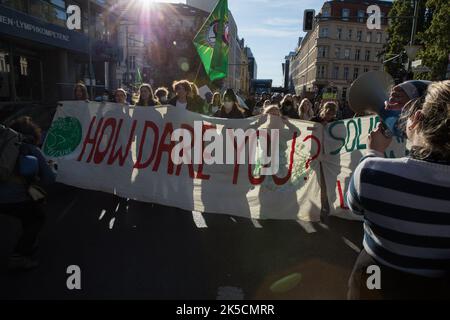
378, 56
346, 73
23, 66
4, 63
344, 94
323, 52
337, 53
336, 72
347, 54
350, 33
345, 14
359, 35
27, 74
361, 15
367, 57
326, 12
5, 84
52, 11
339, 33
324, 32
378, 37
100, 27
357, 54
20, 5
369, 37
355, 73
321, 72
132, 62
131, 40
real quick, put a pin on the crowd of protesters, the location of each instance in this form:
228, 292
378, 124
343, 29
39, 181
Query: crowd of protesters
404, 202
185, 94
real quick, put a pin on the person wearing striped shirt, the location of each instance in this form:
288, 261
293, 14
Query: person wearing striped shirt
406, 206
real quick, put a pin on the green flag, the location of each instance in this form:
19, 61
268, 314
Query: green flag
212, 42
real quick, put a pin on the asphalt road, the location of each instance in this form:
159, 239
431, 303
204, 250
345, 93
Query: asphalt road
150, 251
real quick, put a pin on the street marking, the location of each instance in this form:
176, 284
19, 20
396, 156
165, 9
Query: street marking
307, 226
102, 214
117, 208
199, 220
230, 293
256, 224
66, 210
324, 226
351, 245
111, 223
233, 219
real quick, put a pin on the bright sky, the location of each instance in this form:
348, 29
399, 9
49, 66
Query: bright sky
271, 28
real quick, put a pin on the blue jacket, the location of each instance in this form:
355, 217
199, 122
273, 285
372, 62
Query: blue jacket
15, 190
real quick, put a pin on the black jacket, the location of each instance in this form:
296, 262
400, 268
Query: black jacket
288, 110
234, 114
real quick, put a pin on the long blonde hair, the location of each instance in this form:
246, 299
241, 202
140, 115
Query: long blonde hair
435, 124
303, 114
217, 100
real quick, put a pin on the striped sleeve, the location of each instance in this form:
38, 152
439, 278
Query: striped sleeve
354, 190
353, 195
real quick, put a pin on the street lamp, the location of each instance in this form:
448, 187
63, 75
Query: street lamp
412, 49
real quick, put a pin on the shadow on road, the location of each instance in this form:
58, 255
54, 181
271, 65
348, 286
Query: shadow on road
156, 252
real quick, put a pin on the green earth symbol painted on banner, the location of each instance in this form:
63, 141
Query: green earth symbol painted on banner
63, 137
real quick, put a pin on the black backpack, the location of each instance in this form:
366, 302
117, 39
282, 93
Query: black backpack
10, 143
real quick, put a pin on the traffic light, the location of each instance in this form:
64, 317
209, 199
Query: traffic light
308, 20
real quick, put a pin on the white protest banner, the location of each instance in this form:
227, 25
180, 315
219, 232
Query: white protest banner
127, 151
345, 143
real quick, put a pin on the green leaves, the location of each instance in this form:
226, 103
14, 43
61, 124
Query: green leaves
436, 39
433, 34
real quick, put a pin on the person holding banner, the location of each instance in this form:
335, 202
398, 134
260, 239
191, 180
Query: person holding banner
80, 92
162, 95
288, 107
184, 97
230, 108
120, 96
406, 206
216, 103
305, 110
146, 96
198, 102
327, 113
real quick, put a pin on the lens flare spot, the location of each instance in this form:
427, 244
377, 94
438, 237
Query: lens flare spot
185, 66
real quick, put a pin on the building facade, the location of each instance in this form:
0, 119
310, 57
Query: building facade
245, 73
41, 59
252, 65
287, 74
157, 43
339, 48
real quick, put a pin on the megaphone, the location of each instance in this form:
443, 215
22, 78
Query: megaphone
369, 93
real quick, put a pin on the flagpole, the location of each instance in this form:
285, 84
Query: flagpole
198, 71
